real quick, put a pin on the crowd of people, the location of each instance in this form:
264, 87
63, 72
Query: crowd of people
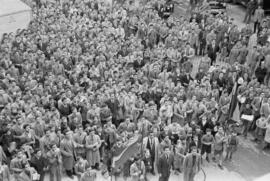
86, 76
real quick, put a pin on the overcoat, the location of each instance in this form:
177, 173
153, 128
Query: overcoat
92, 149
67, 150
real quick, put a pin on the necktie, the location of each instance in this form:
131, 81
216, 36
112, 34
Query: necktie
260, 105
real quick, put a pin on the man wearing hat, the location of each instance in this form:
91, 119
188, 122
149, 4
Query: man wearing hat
67, 147
92, 145
192, 164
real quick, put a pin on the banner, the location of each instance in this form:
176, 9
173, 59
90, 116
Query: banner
132, 148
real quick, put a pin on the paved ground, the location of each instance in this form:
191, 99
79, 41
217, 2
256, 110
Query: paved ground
250, 161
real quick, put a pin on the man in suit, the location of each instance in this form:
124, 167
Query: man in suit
192, 164
39, 162
212, 51
256, 106
165, 163
152, 144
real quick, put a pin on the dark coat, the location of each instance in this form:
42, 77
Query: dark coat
164, 165
212, 52
39, 163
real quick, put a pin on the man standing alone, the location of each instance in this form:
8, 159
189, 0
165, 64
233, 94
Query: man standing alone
251, 6
258, 18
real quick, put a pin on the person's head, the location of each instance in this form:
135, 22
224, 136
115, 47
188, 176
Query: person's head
68, 134
26, 127
80, 158
12, 146
38, 153
54, 147
221, 75
193, 150
151, 134
220, 130
127, 120
167, 150
20, 154
47, 132
234, 133
91, 131
80, 129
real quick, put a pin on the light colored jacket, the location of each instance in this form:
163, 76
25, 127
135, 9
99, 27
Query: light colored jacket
259, 15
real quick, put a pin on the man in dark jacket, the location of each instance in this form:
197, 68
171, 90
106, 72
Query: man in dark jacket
212, 51
40, 164
165, 163
260, 73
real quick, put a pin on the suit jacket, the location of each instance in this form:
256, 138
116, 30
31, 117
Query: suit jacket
164, 165
212, 51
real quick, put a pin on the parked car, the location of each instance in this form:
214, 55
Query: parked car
217, 6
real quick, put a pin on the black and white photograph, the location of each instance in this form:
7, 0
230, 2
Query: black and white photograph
134, 90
